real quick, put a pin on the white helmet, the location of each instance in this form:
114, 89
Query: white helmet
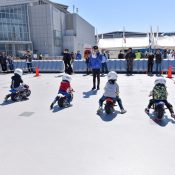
66, 77
18, 71
112, 75
160, 81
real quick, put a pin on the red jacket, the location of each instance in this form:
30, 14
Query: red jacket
64, 86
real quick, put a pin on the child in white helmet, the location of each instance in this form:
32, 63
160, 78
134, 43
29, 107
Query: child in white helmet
160, 93
17, 82
111, 90
64, 89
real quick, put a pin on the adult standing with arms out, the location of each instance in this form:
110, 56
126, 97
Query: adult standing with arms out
95, 63
28, 57
158, 63
130, 56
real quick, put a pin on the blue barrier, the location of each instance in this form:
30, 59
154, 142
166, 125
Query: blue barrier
80, 65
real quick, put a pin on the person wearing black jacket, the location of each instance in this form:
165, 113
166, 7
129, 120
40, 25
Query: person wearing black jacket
121, 55
158, 63
67, 62
150, 63
130, 56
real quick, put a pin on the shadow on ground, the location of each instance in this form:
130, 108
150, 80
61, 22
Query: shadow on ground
163, 122
8, 102
108, 117
57, 108
89, 93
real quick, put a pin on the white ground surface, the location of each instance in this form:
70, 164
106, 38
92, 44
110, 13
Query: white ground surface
76, 141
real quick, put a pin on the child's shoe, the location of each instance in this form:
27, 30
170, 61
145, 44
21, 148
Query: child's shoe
147, 110
51, 106
173, 115
123, 111
100, 110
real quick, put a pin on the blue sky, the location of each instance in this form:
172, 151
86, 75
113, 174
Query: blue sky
135, 15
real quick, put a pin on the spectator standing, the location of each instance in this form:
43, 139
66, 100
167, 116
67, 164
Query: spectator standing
158, 57
72, 55
40, 56
130, 56
86, 57
10, 62
104, 65
78, 55
28, 57
138, 55
150, 63
3, 61
67, 62
121, 55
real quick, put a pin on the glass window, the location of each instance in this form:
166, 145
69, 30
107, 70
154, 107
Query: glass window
14, 23
2, 47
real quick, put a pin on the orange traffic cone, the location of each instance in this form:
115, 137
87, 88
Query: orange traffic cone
37, 72
169, 72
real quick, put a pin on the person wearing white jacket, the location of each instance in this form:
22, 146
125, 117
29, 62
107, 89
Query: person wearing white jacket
111, 90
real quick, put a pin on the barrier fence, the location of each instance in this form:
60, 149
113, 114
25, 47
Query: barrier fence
139, 66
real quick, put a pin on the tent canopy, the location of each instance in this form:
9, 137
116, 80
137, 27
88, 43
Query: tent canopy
137, 42
140, 42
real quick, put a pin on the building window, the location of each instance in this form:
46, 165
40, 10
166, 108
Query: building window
14, 23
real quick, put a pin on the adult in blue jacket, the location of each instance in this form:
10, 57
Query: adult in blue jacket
95, 64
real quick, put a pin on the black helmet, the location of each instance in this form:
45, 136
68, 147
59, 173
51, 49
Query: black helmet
95, 47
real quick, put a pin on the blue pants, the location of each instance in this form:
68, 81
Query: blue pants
158, 68
29, 66
104, 68
117, 98
68, 95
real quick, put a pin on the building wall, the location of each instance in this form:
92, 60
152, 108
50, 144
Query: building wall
85, 33
58, 30
79, 33
47, 25
41, 28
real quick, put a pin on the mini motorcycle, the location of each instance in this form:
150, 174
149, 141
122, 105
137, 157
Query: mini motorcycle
18, 95
109, 105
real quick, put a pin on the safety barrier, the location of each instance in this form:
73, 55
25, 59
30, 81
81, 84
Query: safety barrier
44, 66
139, 66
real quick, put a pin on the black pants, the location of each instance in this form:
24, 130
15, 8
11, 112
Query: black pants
129, 67
96, 74
29, 66
168, 105
4, 67
150, 68
87, 67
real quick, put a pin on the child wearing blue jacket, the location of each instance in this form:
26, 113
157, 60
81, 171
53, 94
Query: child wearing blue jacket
95, 64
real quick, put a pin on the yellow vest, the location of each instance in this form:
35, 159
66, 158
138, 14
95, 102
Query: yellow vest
138, 55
